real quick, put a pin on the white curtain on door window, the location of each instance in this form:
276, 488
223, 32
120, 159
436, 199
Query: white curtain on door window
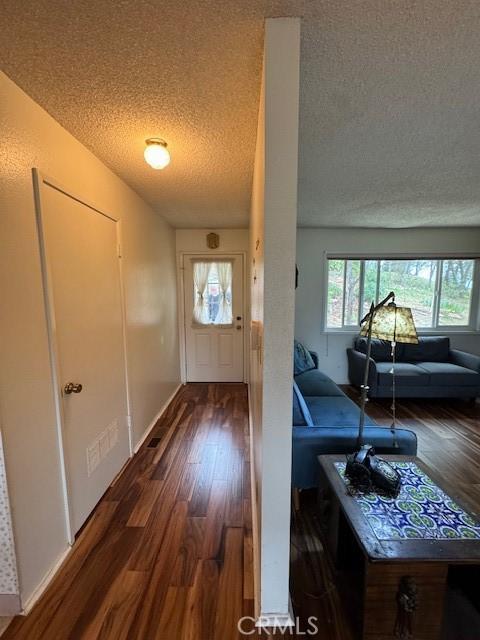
224, 315
201, 271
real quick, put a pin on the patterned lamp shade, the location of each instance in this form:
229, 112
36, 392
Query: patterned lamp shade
392, 323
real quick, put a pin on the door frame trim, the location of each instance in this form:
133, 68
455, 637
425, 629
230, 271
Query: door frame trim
181, 304
40, 182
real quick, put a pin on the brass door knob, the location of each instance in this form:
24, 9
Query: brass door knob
72, 387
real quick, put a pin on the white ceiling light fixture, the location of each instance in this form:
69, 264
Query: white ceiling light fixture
156, 153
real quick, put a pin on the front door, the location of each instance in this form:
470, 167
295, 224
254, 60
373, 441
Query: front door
82, 257
214, 333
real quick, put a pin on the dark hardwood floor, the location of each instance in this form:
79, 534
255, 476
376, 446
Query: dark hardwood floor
167, 553
448, 434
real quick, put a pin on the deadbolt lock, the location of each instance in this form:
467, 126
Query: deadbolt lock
72, 387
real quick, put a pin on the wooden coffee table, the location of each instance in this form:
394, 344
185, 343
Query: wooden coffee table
388, 548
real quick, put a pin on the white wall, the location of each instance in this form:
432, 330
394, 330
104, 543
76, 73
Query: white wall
312, 246
255, 387
272, 245
31, 138
194, 240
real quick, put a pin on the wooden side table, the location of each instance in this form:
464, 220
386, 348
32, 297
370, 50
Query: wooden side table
395, 552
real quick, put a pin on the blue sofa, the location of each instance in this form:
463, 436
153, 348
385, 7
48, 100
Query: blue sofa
430, 369
325, 421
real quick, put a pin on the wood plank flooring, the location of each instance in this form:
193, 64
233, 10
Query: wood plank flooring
448, 434
167, 553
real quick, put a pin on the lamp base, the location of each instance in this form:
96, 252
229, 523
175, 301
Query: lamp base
367, 472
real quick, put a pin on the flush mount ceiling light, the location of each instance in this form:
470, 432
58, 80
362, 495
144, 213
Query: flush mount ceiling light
156, 153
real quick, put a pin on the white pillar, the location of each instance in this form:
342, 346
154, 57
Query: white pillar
273, 238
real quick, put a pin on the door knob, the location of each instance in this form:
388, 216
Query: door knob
72, 387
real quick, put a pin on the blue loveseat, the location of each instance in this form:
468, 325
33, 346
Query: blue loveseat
429, 369
325, 421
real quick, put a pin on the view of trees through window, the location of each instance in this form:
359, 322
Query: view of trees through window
439, 292
212, 296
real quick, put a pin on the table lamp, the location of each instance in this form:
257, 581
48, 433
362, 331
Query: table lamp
384, 321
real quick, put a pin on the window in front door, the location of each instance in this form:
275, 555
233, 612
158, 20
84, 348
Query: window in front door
212, 292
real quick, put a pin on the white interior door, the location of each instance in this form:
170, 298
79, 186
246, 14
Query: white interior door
214, 325
85, 305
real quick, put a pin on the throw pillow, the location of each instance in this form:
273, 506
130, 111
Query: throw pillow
301, 413
302, 360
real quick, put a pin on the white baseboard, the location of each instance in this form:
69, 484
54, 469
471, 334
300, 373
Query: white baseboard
45, 581
155, 419
275, 621
253, 498
47, 578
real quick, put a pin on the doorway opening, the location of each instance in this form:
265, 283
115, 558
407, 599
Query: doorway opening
84, 307
213, 316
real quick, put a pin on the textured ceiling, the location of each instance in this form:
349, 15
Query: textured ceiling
114, 72
390, 114
390, 101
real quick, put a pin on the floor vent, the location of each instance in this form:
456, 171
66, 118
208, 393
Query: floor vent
153, 443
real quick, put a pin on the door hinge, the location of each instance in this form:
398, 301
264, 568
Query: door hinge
119, 250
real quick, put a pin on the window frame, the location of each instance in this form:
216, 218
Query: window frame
474, 315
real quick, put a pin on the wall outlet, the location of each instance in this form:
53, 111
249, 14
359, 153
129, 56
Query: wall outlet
93, 457
104, 444
113, 434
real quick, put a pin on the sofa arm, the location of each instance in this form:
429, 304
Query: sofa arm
464, 359
356, 370
314, 355
310, 442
